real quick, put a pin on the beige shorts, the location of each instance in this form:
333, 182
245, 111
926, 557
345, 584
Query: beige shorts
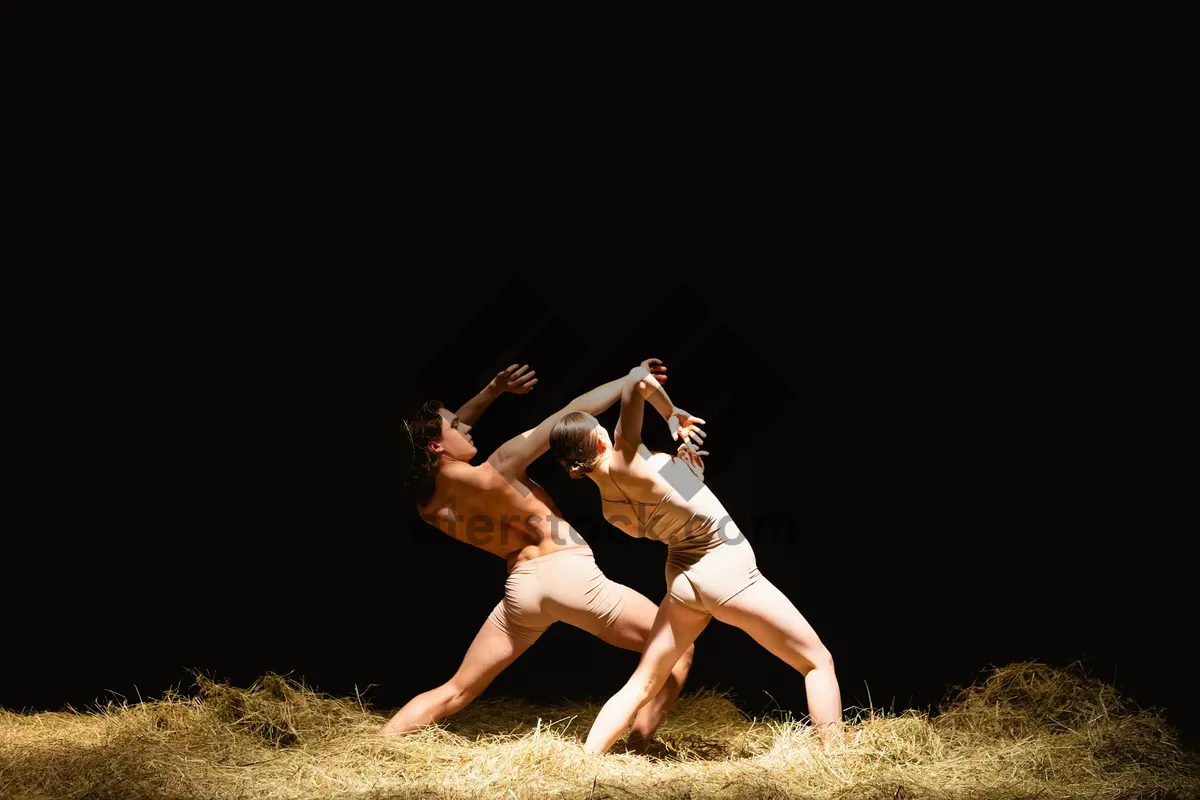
565, 586
715, 577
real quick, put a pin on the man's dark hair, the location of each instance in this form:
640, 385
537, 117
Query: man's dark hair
423, 427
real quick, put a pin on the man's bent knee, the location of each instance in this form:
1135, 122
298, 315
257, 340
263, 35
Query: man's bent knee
459, 697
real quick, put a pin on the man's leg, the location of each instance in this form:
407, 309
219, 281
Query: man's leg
489, 654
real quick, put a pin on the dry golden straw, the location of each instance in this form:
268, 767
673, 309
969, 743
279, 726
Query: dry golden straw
1026, 731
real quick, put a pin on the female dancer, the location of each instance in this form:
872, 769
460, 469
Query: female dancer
711, 570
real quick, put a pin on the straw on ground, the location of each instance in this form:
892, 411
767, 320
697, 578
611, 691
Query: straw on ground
1027, 730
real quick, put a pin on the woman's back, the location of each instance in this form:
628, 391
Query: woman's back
659, 497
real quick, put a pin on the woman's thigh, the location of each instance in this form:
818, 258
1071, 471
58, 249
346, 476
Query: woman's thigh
774, 622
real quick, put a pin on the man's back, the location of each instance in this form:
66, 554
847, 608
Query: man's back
508, 516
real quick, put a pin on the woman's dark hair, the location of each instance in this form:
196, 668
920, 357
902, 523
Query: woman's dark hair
423, 427
574, 443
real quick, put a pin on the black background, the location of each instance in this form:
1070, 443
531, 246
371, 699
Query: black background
884, 251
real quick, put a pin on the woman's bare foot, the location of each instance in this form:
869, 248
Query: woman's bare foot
832, 737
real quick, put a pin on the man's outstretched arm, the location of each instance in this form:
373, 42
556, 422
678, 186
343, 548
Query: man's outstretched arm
520, 451
514, 380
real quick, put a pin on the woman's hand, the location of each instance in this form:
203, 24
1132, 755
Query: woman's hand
691, 456
514, 380
656, 368
686, 427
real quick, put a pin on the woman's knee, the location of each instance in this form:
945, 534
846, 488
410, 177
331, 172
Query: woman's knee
821, 659
642, 687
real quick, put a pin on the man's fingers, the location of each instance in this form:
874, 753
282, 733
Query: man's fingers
519, 372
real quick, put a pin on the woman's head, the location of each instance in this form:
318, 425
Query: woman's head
579, 443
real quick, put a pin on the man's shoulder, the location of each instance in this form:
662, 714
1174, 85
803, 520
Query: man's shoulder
475, 476
450, 486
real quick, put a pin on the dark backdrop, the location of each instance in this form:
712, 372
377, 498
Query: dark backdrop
874, 245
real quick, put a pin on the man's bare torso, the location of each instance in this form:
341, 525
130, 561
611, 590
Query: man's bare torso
508, 516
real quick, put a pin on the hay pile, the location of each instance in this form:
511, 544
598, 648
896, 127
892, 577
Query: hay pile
1027, 731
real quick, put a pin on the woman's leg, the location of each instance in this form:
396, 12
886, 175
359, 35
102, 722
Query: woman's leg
632, 631
577, 592
490, 652
767, 614
675, 628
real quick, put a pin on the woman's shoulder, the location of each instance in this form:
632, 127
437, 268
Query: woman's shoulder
634, 461
680, 475
641, 475
656, 460
666, 470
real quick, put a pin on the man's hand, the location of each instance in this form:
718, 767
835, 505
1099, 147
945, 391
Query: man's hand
686, 427
514, 380
656, 368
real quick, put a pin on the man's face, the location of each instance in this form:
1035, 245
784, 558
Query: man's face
456, 440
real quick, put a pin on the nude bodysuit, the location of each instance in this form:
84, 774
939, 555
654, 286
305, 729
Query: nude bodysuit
709, 560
